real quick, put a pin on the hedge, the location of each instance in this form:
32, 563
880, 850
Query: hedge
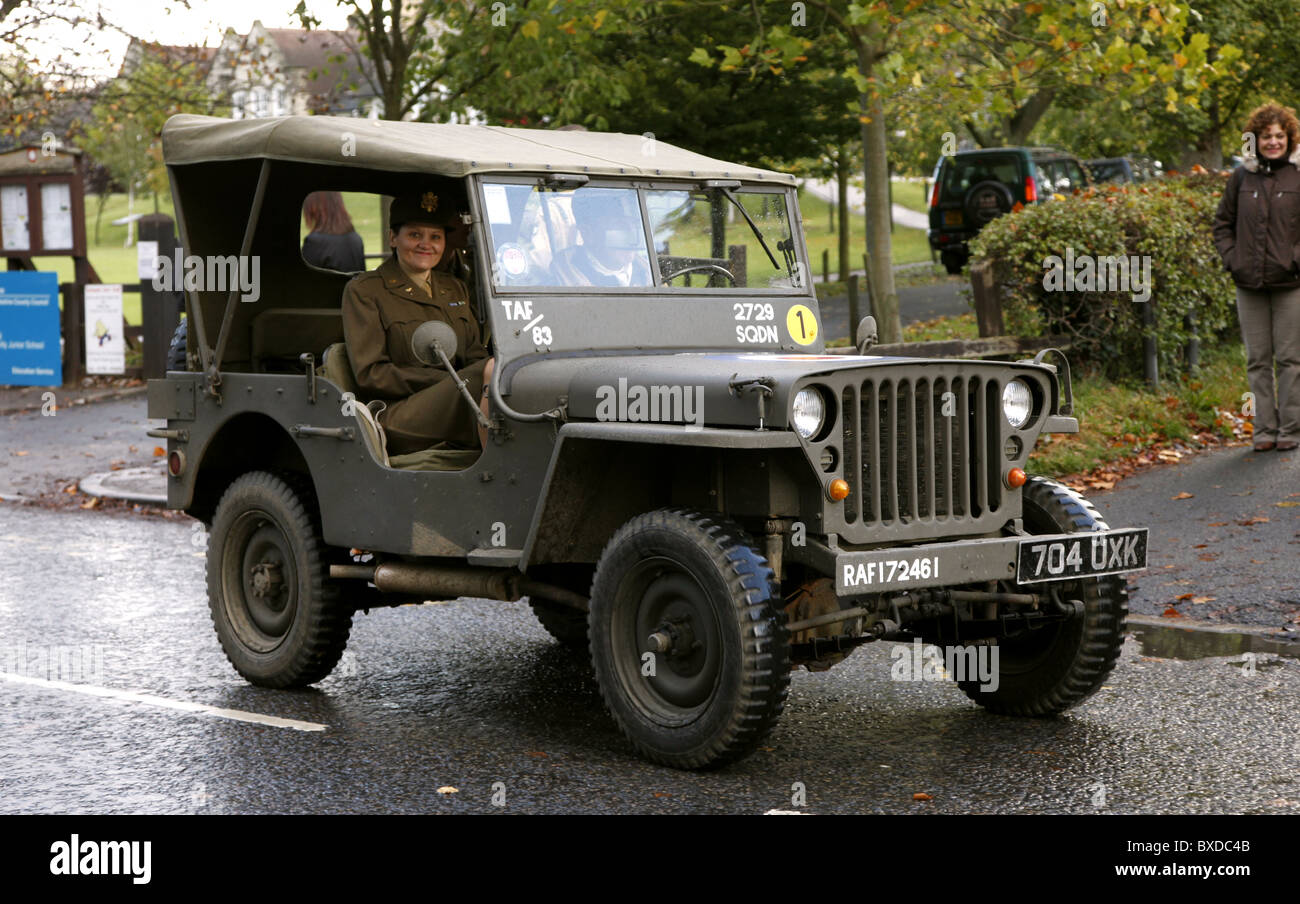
1168, 222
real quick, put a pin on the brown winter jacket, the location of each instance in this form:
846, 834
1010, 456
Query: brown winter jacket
1257, 225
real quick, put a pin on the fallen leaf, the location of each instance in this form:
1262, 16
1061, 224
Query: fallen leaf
159, 451
534, 753
70, 489
92, 502
1184, 596
1218, 524
1184, 495
921, 795
1208, 556
1258, 519
448, 789
662, 794
1203, 599
1171, 612
22, 453
1201, 546
1287, 504
132, 449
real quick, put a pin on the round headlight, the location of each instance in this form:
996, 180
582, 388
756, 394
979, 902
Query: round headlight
1017, 403
809, 412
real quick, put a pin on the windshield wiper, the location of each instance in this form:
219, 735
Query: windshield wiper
725, 187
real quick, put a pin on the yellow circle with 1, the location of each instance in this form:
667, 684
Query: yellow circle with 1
802, 324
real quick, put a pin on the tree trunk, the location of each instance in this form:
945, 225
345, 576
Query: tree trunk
1209, 143
842, 202
880, 267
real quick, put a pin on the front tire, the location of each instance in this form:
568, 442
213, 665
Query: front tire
278, 616
1047, 671
714, 683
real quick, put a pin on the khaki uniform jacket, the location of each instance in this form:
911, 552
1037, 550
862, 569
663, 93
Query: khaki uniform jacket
381, 311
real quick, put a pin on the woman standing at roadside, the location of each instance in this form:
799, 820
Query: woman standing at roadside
1257, 234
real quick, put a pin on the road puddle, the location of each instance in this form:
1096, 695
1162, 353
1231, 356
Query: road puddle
1179, 642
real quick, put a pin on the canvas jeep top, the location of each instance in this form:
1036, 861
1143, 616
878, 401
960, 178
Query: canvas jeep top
678, 476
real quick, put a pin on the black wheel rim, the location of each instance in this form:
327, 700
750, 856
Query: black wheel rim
661, 596
260, 580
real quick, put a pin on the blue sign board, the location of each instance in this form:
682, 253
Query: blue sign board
29, 329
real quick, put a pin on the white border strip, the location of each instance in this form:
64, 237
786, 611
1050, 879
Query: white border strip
150, 700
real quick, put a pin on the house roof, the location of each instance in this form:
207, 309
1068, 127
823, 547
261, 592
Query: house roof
316, 52
438, 148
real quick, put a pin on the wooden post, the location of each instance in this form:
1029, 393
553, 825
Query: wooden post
74, 332
1150, 358
160, 311
737, 263
988, 301
826, 265
1193, 350
854, 317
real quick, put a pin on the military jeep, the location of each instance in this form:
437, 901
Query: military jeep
679, 477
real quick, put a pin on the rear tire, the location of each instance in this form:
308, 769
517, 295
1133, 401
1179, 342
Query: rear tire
279, 618
564, 623
1047, 671
716, 691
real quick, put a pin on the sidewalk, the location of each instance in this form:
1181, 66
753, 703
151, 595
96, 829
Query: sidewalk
95, 440
14, 399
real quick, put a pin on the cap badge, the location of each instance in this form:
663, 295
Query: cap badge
429, 201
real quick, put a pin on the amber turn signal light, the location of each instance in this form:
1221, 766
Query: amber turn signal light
839, 489
1016, 477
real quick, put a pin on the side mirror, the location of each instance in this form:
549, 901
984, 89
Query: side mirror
866, 335
433, 333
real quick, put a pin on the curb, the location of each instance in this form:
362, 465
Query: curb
106, 395
129, 484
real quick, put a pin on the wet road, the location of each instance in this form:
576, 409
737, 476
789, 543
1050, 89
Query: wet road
473, 695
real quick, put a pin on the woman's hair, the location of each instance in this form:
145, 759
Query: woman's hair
1269, 114
324, 212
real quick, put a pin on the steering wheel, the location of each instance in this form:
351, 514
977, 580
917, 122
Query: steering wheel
696, 268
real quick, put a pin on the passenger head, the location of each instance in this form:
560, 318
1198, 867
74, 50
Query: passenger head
418, 231
610, 223
324, 212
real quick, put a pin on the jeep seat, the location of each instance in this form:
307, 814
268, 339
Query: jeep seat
337, 368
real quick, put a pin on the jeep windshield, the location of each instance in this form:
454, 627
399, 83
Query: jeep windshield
662, 237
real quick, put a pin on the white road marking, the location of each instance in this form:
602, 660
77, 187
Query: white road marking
237, 715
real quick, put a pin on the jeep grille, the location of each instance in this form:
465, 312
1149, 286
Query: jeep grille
914, 453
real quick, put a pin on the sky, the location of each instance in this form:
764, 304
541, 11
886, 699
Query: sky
171, 23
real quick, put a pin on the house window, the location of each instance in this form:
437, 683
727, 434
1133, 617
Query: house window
237, 102
278, 107
260, 100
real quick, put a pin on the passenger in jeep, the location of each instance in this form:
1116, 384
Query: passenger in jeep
381, 311
613, 249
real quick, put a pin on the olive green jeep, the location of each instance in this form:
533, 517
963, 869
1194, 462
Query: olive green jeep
679, 476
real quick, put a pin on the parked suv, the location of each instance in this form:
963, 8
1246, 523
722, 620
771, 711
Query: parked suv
678, 476
971, 188
1124, 169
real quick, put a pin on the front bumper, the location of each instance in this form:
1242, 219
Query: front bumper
1016, 559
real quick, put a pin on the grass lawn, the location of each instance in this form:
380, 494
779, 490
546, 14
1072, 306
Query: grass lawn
910, 246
